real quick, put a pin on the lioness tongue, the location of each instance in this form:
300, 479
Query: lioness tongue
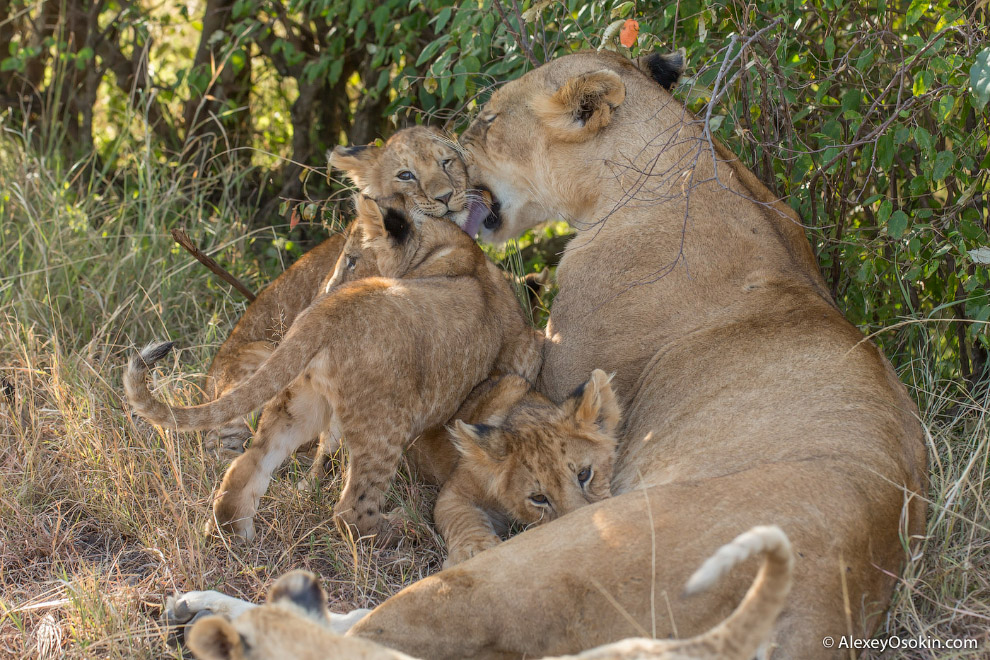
477, 212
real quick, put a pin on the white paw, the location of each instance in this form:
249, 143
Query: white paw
341, 623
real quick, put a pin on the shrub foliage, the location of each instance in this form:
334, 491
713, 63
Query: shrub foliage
870, 117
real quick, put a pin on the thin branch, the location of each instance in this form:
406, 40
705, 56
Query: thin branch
524, 46
182, 238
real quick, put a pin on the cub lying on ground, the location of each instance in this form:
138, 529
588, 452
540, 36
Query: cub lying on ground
390, 356
417, 164
295, 623
524, 458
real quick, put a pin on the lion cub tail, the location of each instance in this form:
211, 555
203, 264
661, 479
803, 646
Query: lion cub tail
740, 635
274, 375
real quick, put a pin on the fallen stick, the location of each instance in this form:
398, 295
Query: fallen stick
182, 238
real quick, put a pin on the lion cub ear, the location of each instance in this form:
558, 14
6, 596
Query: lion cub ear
358, 163
214, 638
594, 403
302, 590
478, 441
665, 68
583, 106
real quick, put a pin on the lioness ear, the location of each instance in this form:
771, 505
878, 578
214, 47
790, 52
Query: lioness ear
469, 438
665, 68
583, 106
214, 638
358, 163
594, 403
301, 589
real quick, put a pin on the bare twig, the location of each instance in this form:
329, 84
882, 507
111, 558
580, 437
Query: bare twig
524, 45
182, 238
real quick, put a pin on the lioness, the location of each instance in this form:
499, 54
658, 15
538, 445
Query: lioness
295, 624
418, 166
525, 459
336, 353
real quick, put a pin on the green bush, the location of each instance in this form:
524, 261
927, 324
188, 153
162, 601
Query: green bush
869, 117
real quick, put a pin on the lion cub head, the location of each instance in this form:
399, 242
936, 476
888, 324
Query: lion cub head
423, 166
542, 460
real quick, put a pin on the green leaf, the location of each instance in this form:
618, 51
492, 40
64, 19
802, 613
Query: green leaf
885, 210
897, 224
943, 162
922, 82
622, 10
885, 151
916, 10
830, 47
923, 138
442, 18
432, 48
11, 64
979, 78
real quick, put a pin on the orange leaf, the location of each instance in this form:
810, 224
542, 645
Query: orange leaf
629, 32
294, 219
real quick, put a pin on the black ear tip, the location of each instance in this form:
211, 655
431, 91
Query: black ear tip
396, 224
579, 390
302, 589
352, 150
665, 68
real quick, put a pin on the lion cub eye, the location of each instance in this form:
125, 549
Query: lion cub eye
584, 476
405, 175
539, 499
445, 163
350, 262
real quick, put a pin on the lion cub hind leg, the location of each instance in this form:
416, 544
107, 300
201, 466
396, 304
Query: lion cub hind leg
330, 441
372, 460
227, 371
288, 421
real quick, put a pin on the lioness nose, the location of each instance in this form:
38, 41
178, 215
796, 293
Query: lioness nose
445, 198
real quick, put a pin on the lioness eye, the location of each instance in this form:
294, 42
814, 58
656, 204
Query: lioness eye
351, 262
406, 175
539, 499
490, 118
584, 476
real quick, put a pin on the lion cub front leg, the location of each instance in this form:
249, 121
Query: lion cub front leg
465, 527
288, 421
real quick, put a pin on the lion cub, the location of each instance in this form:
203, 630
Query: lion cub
526, 459
388, 356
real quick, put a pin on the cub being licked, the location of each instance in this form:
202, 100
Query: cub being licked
526, 459
388, 356
419, 163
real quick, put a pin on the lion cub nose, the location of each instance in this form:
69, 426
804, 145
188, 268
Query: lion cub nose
444, 198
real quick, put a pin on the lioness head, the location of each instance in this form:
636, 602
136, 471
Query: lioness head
383, 241
422, 165
542, 142
543, 460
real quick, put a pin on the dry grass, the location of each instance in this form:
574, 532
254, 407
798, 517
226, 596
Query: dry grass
100, 517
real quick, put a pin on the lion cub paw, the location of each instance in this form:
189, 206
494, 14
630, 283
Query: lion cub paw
463, 552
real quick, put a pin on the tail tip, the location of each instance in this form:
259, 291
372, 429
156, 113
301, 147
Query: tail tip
762, 539
152, 353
